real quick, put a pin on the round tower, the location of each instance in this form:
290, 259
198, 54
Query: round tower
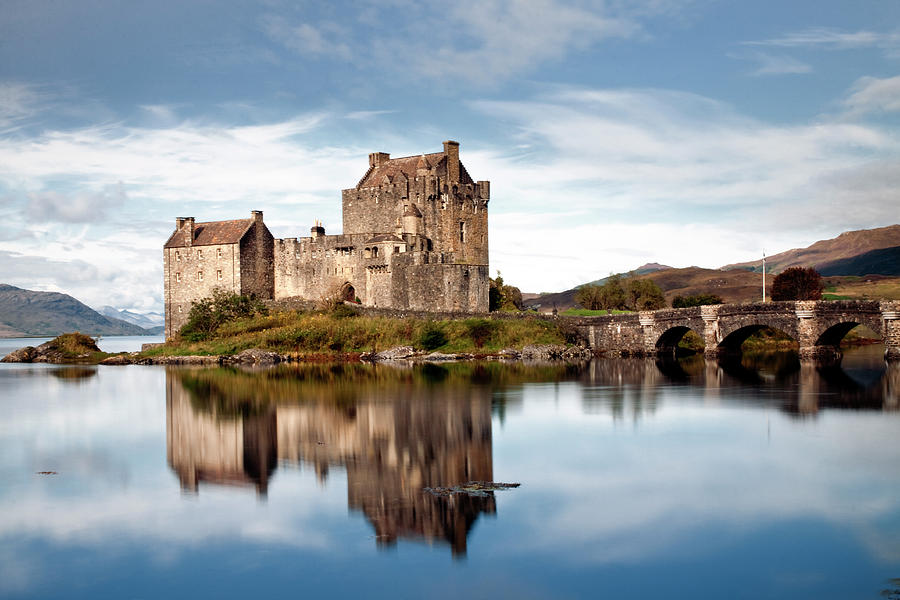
411, 221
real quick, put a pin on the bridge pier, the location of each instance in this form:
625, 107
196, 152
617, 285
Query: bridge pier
890, 318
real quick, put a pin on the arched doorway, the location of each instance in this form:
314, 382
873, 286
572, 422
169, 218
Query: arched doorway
348, 293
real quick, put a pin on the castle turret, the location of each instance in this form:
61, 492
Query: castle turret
317, 231
411, 221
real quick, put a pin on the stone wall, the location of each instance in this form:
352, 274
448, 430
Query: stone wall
257, 261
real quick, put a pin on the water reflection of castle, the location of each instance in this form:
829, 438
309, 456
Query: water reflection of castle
392, 442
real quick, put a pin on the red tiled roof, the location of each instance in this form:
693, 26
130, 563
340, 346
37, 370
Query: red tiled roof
213, 233
394, 167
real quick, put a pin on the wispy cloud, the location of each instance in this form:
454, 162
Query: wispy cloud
641, 168
774, 64
835, 39
323, 40
873, 95
481, 41
51, 205
19, 101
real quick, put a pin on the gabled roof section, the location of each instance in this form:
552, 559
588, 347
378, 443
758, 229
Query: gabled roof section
213, 233
393, 168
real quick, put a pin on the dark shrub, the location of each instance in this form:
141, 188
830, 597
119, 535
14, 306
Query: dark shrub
432, 337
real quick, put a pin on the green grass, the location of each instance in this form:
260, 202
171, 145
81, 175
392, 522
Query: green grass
586, 312
836, 297
329, 334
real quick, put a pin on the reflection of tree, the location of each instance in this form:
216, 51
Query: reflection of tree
395, 431
615, 385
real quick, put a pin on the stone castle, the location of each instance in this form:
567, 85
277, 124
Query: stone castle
415, 237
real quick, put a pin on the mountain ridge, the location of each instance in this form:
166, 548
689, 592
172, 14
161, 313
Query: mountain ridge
33, 313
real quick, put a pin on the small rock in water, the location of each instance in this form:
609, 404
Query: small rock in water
472, 488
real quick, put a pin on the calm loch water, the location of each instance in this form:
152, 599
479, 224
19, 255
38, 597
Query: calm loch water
693, 479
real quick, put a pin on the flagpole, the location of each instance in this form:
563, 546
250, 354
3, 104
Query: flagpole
764, 277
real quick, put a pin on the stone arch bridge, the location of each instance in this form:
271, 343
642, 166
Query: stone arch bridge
818, 326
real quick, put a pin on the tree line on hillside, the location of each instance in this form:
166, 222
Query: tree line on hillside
631, 293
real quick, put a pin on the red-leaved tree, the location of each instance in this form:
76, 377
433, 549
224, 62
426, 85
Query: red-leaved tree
797, 283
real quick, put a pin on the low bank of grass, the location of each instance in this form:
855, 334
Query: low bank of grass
586, 312
342, 332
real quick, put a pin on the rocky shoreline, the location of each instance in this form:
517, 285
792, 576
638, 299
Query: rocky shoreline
46, 353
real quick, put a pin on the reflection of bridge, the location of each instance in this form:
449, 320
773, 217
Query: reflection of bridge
635, 387
818, 326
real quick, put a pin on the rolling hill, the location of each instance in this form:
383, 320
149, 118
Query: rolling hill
26, 312
843, 255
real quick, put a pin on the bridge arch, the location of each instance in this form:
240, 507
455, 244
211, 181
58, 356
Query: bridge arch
667, 342
832, 333
732, 342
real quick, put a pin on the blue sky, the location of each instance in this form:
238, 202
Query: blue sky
613, 133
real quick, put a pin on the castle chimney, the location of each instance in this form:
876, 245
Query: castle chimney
378, 158
317, 231
188, 230
451, 149
257, 215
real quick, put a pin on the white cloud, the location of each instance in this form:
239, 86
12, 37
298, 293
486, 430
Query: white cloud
870, 94
50, 205
18, 101
775, 64
835, 39
610, 179
481, 41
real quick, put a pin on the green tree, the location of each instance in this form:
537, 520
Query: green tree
644, 294
696, 300
502, 296
612, 294
221, 307
797, 283
590, 296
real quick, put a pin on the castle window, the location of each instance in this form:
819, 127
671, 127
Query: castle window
199, 275
219, 274
177, 256
218, 253
375, 252
462, 232
177, 277
396, 249
179, 309
200, 254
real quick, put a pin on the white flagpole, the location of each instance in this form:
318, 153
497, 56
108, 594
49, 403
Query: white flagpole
764, 277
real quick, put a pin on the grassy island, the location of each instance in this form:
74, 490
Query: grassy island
342, 330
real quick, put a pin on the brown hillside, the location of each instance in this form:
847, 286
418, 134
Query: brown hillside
847, 245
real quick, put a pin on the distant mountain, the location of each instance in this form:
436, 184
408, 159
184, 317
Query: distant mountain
884, 261
147, 321
26, 312
850, 253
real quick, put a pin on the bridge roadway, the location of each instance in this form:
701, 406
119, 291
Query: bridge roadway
818, 326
